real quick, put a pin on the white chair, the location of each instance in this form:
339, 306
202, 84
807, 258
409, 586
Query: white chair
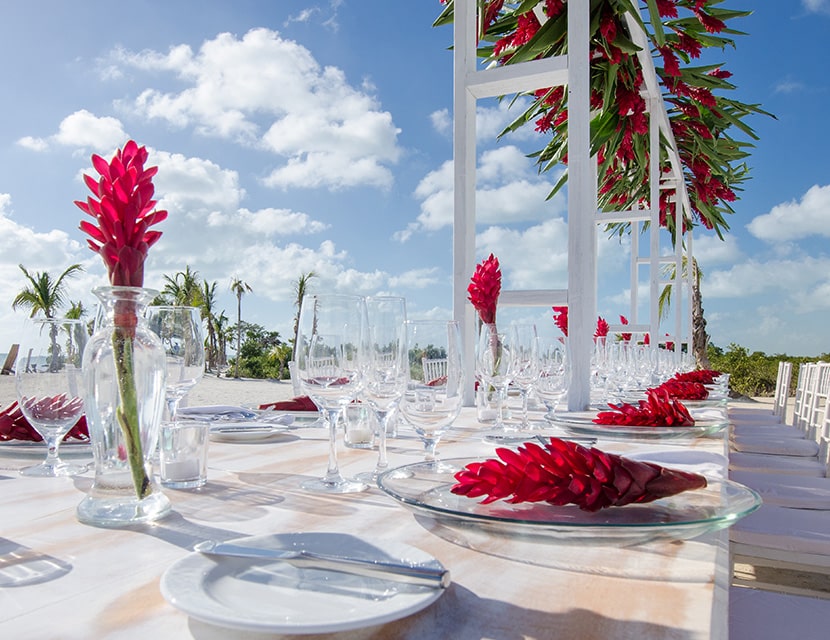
782, 390
434, 368
755, 614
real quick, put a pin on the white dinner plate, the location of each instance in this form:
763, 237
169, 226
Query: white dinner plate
28, 448
273, 596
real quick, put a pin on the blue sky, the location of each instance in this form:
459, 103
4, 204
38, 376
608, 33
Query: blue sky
295, 137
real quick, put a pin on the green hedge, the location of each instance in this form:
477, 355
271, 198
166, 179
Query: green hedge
754, 374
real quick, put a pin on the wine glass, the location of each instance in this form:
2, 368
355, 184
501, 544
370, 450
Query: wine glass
435, 386
555, 374
493, 368
524, 363
180, 330
49, 383
331, 356
386, 368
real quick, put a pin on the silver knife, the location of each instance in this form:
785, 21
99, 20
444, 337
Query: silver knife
435, 577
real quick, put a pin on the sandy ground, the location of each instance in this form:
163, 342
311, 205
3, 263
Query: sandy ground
209, 390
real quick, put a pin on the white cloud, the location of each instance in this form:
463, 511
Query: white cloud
184, 184
82, 130
268, 222
33, 144
795, 219
270, 92
711, 250
508, 190
816, 6
793, 281
441, 121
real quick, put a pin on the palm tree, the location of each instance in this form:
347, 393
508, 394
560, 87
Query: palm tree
183, 289
207, 308
43, 293
75, 345
223, 333
239, 288
700, 339
300, 289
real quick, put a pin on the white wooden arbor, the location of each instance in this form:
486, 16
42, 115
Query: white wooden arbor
584, 219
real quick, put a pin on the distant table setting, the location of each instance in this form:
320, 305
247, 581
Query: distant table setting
628, 541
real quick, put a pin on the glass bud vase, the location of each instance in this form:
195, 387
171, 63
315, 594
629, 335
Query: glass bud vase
124, 375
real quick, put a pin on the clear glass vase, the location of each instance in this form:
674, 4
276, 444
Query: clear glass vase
124, 374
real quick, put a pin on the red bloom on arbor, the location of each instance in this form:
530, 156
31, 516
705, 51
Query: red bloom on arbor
658, 409
484, 289
564, 472
560, 318
123, 209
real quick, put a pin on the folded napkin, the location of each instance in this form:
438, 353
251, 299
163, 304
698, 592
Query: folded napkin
657, 410
217, 411
685, 390
15, 426
300, 403
565, 472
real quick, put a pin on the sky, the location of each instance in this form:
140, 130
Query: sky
297, 137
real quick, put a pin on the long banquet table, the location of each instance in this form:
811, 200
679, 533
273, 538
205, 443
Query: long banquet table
104, 583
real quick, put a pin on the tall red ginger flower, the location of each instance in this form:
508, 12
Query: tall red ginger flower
123, 209
602, 328
564, 472
484, 289
560, 318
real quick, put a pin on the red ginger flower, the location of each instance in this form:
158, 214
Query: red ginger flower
560, 318
602, 328
484, 289
703, 376
684, 390
15, 426
657, 410
123, 208
564, 472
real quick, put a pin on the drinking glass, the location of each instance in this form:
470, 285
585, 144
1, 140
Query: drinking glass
524, 363
435, 386
493, 368
331, 361
49, 386
386, 368
555, 374
180, 330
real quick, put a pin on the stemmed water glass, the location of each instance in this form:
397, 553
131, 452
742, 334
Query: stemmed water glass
49, 383
435, 387
331, 362
524, 363
180, 331
493, 368
555, 374
385, 376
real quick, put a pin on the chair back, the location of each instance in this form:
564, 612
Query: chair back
434, 368
782, 390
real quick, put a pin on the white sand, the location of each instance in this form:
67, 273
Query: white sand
209, 390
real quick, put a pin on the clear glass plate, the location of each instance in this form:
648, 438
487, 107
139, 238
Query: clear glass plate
272, 596
686, 515
582, 423
72, 448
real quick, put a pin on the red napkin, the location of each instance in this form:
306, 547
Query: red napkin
300, 403
703, 376
685, 390
15, 426
658, 410
564, 472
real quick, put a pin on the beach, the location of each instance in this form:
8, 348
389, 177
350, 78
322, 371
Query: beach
209, 390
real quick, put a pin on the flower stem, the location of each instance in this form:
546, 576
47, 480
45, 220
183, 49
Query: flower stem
127, 412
